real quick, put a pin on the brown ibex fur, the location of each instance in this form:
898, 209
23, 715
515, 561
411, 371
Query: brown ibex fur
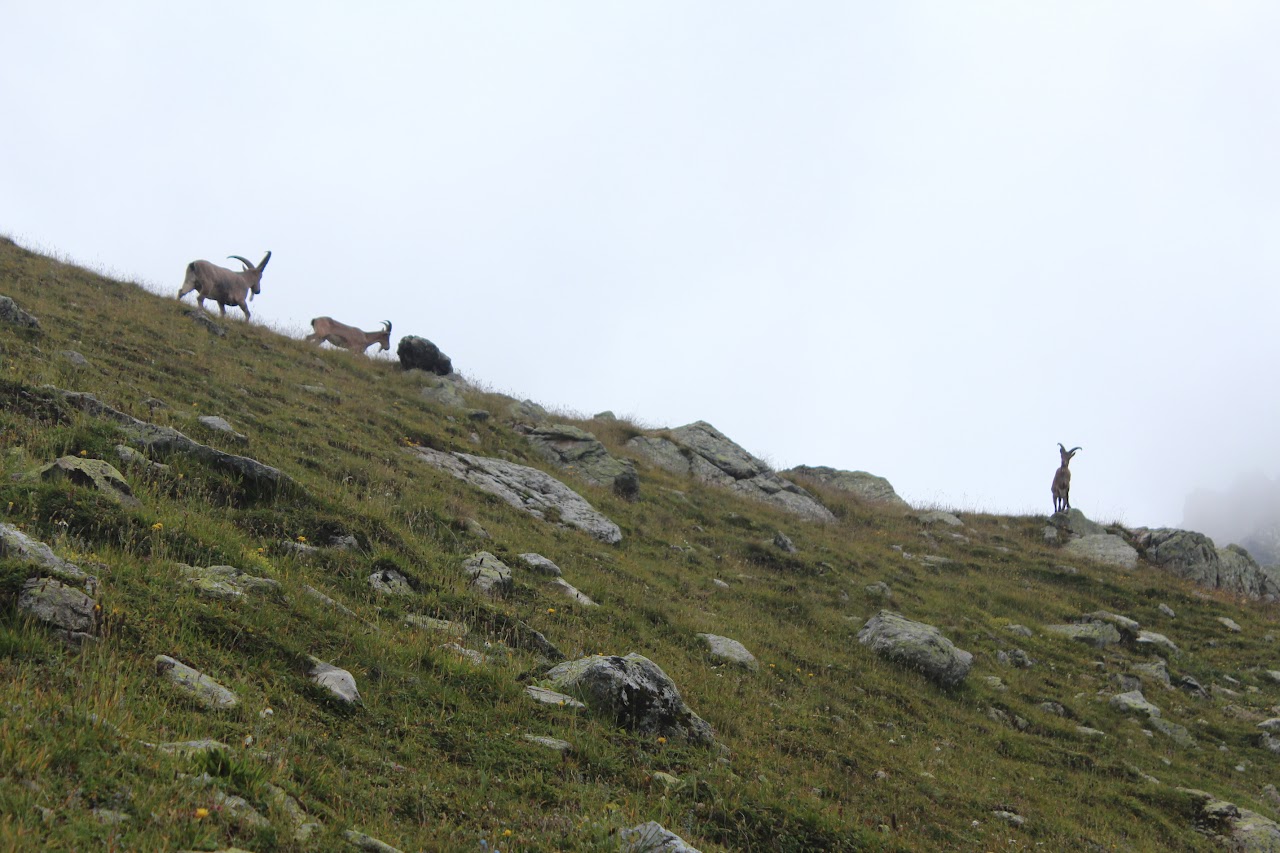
224, 286
1062, 480
348, 337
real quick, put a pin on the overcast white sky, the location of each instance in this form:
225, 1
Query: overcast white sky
924, 239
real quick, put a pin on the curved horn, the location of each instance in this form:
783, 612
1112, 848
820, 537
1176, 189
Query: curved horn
241, 260
1060, 447
265, 258
387, 323
1074, 449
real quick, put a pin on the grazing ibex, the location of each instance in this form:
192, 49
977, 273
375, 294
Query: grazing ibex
1062, 480
222, 285
348, 337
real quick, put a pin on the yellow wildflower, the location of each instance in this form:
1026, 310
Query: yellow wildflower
201, 813
157, 526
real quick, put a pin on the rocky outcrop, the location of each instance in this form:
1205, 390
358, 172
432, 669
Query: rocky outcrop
536, 492
1237, 829
16, 545
417, 353
13, 315
634, 692
91, 474
917, 646
1194, 556
867, 487
162, 440
701, 451
580, 452
1097, 634
1104, 548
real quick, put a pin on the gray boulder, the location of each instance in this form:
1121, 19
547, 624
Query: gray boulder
16, 545
867, 487
417, 353
488, 574
701, 451
445, 391
66, 610
336, 680
1236, 828
10, 313
634, 692
580, 452
1073, 522
390, 582
940, 517
1194, 556
525, 488
917, 646
194, 684
94, 474
226, 582
213, 423
653, 837
541, 565
725, 650
1134, 702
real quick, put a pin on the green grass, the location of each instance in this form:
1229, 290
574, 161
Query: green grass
832, 748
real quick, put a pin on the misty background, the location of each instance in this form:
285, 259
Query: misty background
925, 239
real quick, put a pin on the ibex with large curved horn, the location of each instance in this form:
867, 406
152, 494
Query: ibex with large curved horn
348, 337
224, 286
1062, 480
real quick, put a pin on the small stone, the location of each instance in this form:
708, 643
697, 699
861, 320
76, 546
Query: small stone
1167, 610
1230, 624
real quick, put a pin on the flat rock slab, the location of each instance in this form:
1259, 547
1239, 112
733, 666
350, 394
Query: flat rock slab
867, 487
1151, 639
1097, 634
725, 650
368, 843
917, 646
571, 592
194, 684
213, 423
17, 545
545, 696
10, 313
430, 623
226, 583
528, 489
1134, 702
541, 565
94, 474
1104, 548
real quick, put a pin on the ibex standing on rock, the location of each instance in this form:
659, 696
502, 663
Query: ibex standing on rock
222, 285
1062, 480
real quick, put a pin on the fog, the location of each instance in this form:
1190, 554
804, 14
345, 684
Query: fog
927, 240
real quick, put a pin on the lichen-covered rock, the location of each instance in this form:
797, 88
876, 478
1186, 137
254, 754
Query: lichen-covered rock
939, 517
1073, 522
213, 423
701, 451
653, 837
1133, 702
338, 681
1098, 634
582, 453
195, 684
65, 609
725, 650
17, 545
867, 487
444, 391
528, 489
93, 474
1240, 830
917, 646
1128, 628
488, 574
633, 691
544, 696
1158, 641
367, 842
390, 582
571, 592
1104, 548
430, 623
226, 582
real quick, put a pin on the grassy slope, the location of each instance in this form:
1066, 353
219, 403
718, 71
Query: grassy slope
435, 758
